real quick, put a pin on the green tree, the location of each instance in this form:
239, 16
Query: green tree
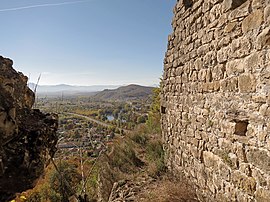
153, 122
141, 119
64, 179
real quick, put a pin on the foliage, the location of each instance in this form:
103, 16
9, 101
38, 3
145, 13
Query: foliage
153, 121
155, 155
64, 181
124, 157
56, 187
140, 135
141, 119
139, 150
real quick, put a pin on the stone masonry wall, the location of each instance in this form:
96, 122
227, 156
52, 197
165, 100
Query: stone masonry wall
216, 98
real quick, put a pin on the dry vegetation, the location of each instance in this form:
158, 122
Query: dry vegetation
167, 189
132, 168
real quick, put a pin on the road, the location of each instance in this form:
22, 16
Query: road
89, 119
94, 120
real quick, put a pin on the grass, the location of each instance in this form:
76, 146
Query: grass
124, 157
155, 155
168, 189
139, 153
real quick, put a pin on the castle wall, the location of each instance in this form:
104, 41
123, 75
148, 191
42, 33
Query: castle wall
215, 98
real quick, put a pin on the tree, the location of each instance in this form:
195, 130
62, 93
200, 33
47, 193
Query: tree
154, 116
141, 119
64, 180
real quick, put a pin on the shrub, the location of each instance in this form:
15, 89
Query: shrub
139, 138
155, 155
63, 184
124, 157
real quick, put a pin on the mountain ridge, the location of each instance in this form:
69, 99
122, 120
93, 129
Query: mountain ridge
129, 92
48, 89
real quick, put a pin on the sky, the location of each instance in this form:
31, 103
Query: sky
87, 42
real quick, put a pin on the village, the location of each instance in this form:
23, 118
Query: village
78, 135
87, 127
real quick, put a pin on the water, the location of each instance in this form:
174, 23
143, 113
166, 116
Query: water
110, 117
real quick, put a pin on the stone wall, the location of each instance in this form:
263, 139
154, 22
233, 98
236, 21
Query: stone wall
216, 96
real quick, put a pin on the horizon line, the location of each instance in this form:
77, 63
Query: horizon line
78, 85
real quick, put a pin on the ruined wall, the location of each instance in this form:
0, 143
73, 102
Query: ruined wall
216, 97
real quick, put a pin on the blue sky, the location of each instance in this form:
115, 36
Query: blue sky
89, 42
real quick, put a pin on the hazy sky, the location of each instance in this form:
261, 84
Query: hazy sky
86, 42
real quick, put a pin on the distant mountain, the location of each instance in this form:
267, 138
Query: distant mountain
129, 92
68, 89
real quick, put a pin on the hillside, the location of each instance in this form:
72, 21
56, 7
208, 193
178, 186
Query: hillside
129, 92
52, 90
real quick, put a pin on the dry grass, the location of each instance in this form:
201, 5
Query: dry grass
167, 189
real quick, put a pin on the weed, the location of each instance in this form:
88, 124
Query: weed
155, 155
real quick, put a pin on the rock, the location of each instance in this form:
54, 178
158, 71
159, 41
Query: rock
267, 14
247, 83
27, 136
263, 39
232, 4
234, 67
262, 195
229, 27
210, 159
259, 158
243, 182
252, 21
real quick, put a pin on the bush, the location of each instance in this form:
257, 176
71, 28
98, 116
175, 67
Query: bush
124, 157
139, 138
34, 197
65, 182
155, 155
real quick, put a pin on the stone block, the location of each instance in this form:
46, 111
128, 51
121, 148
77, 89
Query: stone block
252, 62
252, 21
218, 72
263, 39
240, 9
210, 160
245, 47
259, 177
224, 41
202, 50
222, 55
243, 182
202, 75
259, 158
198, 64
262, 195
267, 13
247, 83
216, 85
229, 84
224, 171
231, 4
234, 67
230, 27
256, 4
